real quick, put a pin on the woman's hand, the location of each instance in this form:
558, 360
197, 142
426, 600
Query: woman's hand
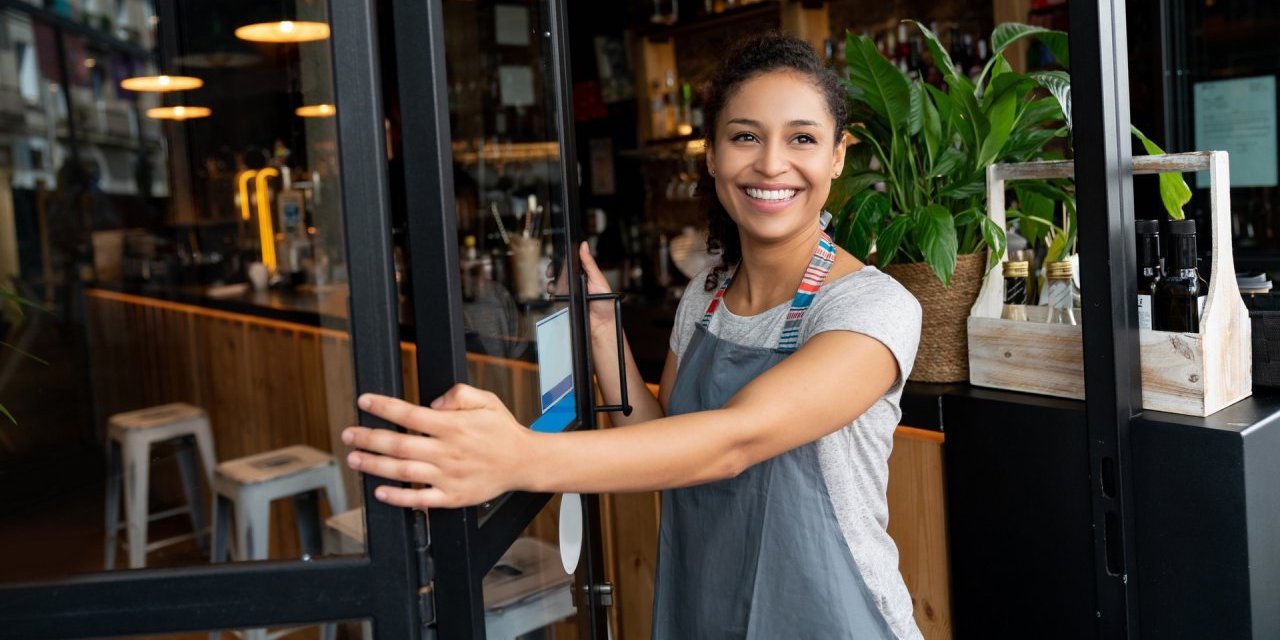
476, 450
600, 311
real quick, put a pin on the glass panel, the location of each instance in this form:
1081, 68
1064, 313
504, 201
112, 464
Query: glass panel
529, 591
510, 212
173, 321
342, 630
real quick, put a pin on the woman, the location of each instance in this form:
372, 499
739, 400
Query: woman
772, 430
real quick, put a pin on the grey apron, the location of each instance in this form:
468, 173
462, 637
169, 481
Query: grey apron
760, 555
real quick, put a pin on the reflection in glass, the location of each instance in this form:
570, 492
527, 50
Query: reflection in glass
175, 366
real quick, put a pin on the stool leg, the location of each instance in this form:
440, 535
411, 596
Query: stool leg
221, 527
307, 505
137, 472
191, 488
253, 526
336, 492
114, 472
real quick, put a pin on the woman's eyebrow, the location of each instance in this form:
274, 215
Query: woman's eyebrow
756, 123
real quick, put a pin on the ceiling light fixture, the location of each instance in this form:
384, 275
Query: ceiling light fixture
284, 31
316, 111
179, 113
160, 84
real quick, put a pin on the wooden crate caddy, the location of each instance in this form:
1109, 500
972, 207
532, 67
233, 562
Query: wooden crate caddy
1186, 373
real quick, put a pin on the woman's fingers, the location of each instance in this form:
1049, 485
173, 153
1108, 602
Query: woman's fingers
391, 443
463, 397
395, 410
596, 282
425, 498
415, 471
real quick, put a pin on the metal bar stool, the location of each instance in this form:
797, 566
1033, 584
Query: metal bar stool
249, 485
130, 437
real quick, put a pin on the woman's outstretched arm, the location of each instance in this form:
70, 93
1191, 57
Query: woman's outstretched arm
477, 450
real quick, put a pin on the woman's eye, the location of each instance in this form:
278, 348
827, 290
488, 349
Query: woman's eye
805, 138
743, 137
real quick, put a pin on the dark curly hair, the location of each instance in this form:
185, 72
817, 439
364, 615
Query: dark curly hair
752, 57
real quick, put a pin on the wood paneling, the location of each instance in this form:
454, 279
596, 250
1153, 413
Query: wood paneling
918, 525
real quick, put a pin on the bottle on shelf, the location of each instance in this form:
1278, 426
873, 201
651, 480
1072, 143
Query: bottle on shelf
1060, 292
1149, 270
1179, 296
671, 114
1015, 290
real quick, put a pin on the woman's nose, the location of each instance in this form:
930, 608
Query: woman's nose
772, 159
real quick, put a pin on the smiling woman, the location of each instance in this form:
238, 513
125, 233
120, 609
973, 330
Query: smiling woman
749, 460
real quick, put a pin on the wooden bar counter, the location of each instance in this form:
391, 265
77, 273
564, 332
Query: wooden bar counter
275, 370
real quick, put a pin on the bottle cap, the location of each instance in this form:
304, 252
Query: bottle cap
1182, 227
1060, 269
1017, 269
1147, 227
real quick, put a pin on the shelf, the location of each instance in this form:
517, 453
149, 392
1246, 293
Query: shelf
714, 21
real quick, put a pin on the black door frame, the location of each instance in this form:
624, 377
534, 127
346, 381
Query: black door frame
464, 545
383, 585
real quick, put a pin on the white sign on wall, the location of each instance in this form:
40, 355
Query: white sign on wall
1239, 116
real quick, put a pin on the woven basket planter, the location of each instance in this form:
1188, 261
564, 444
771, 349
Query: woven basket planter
944, 343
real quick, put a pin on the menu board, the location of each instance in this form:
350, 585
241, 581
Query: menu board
1239, 116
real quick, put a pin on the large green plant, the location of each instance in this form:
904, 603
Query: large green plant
914, 187
931, 149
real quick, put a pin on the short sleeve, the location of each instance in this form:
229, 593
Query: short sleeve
693, 303
875, 305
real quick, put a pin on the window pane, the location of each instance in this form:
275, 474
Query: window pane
173, 268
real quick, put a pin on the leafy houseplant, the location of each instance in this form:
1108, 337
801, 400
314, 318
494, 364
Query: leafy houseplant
914, 187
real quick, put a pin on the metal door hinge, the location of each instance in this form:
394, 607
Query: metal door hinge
426, 569
603, 593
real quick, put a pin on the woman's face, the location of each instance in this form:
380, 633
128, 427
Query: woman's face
774, 155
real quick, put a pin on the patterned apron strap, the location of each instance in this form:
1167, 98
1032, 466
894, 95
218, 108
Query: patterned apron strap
819, 266
824, 256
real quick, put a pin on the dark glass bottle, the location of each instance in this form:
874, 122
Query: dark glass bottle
1015, 290
1179, 296
1149, 268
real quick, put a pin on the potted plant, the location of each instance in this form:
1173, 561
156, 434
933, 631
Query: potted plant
914, 185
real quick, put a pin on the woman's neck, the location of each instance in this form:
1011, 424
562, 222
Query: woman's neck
770, 272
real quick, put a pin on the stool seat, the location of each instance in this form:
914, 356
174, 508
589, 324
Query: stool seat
130, 436
174, 414
274, 465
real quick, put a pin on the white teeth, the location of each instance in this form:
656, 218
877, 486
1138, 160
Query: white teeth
771, 194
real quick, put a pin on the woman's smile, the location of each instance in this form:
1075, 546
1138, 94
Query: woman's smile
770, 197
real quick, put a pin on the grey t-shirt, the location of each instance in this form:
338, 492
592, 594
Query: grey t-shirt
854, 459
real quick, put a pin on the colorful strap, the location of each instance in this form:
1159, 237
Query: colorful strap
824, 256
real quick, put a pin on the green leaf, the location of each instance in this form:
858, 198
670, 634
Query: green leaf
22, 352
931, 126
935, 235
1039, 113
1026, 145
941, 59
8, 415
1174, 191
994, 237
1057, 83
1037, 212
967, 188
1002, 118
1058, 44
916, 116
849, 185
890, 238
999, 68
1007, 33
947, 164
968, 113
884, 87
860, 220
1057, 248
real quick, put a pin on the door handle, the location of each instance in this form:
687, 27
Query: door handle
624, 406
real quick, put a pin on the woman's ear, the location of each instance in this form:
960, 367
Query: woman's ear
711, 161
837, 161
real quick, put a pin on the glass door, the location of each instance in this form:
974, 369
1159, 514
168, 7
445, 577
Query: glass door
194, 198
483, 132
